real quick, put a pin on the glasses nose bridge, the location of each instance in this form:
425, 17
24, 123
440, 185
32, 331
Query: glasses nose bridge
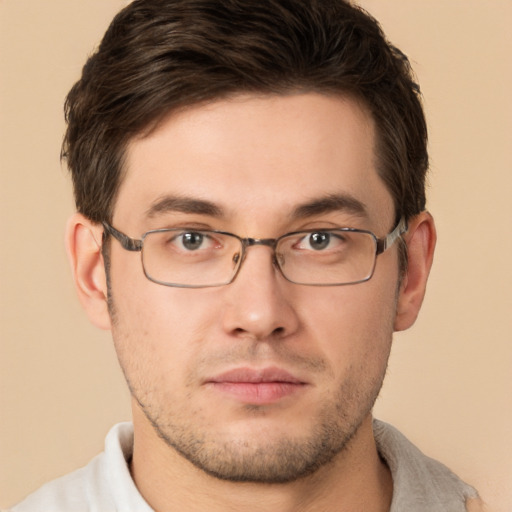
267, 242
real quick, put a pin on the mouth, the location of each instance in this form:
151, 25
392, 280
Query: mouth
256, 386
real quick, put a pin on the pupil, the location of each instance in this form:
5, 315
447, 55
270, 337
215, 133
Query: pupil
319, 240
192, 241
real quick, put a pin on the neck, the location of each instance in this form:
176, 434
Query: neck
356, 480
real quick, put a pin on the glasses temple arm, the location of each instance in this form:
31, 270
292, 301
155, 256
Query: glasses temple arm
130, 244
386, 242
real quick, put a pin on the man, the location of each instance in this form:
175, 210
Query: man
249, 178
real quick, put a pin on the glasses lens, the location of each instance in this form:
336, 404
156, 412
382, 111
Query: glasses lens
193, 259
327, 257
189, 258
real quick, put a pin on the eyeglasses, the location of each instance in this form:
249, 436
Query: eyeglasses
195, 258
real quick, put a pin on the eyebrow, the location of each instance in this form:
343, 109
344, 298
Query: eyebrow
183, 204
316, 206
331, 203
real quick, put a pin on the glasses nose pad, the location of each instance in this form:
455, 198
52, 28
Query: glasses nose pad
279, 259
236, 259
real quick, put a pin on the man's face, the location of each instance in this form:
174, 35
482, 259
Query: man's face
261, 379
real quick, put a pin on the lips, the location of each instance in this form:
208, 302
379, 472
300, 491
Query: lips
256, 386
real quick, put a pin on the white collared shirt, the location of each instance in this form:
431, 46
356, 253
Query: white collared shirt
420, 484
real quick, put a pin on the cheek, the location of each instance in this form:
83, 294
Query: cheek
155, 327
351, 323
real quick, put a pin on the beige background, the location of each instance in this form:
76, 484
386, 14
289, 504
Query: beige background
449, 382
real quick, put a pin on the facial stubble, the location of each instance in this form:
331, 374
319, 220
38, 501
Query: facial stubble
282, 460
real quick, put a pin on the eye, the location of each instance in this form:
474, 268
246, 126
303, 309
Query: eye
192, 241
319, 241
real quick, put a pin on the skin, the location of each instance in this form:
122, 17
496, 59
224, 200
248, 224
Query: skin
257, 160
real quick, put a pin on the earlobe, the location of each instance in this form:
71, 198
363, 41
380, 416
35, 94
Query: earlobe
421, 240
83, 244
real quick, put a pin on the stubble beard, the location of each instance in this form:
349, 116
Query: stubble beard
277, 461
282, 461
260, 459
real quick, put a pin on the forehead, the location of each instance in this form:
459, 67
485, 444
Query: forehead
255, 156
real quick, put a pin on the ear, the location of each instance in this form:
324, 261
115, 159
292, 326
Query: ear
421, 241
83, 244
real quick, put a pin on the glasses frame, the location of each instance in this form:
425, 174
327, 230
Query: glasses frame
136, 245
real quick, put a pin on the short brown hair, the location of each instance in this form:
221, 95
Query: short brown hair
158, 56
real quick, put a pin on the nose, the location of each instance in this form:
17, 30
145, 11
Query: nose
258, 302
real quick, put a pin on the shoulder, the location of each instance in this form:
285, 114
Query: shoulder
72, 492
421, 483
104, 485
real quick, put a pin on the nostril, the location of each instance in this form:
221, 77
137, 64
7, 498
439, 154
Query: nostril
278, 331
